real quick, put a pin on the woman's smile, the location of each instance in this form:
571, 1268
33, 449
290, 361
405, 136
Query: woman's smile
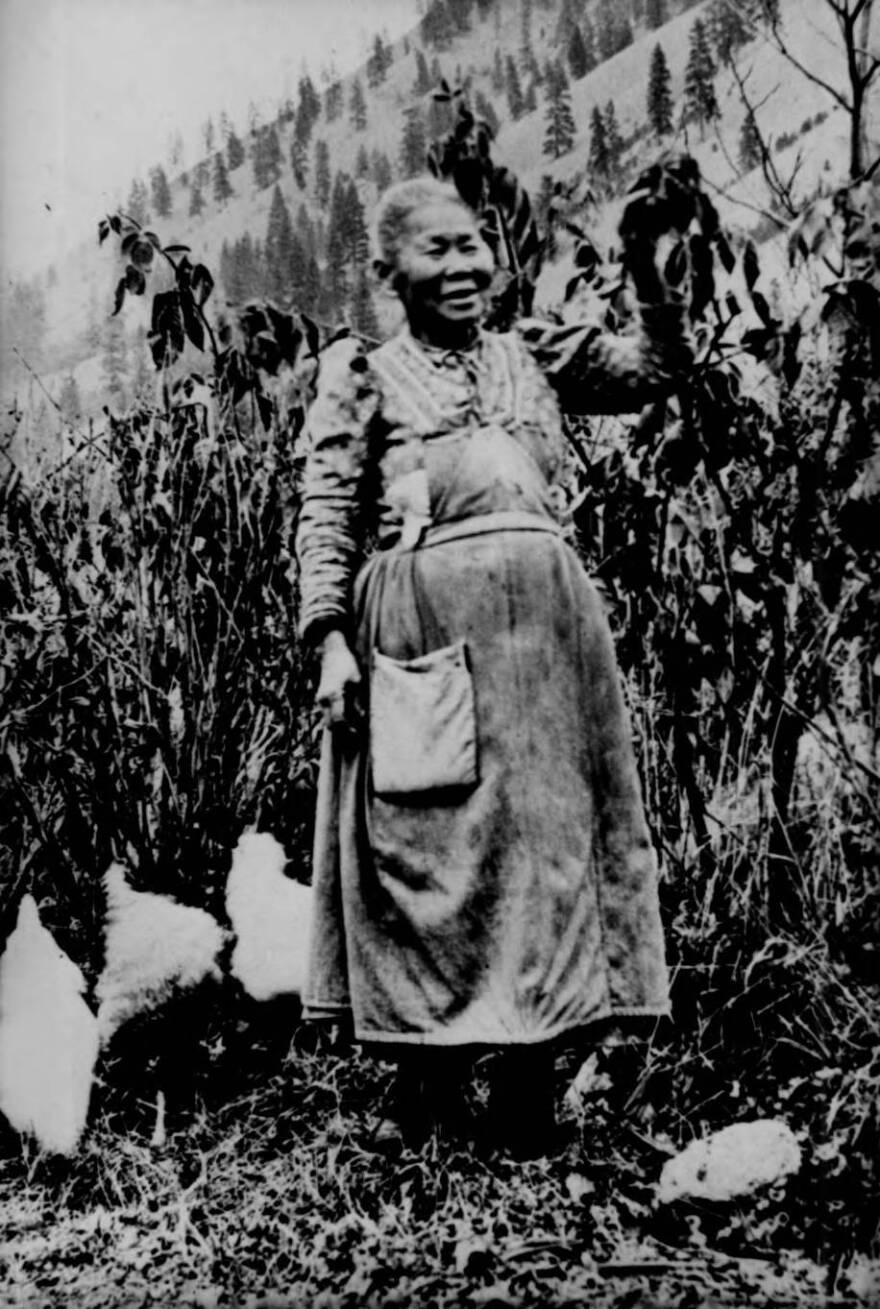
442, 269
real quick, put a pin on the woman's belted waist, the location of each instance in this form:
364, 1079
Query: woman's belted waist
501, 520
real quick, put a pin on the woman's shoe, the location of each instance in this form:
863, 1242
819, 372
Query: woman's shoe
522, 1111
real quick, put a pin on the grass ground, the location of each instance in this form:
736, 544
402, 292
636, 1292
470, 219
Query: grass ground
273, 1198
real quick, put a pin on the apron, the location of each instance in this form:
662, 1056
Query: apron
523, 905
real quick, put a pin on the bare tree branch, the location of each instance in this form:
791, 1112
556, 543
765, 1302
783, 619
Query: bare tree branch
781, 189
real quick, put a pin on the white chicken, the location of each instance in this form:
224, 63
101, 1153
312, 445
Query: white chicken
733, 1162
48, 1037
272, 918
154, 948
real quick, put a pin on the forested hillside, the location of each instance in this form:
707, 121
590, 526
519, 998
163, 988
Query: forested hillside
279, 208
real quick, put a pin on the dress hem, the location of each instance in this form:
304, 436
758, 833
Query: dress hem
317, 1012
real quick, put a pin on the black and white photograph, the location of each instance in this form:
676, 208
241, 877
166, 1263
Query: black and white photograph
439, 654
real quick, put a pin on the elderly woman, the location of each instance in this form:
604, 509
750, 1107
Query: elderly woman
483, 872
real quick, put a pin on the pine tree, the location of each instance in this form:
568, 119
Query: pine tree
312, 290
298, 261
222, 187
266, 157
577, 54
322, 173
305, 231
356, 236
566, 23
560, 122
175, 149
161, 192
459, 14
375, 68
309, 106
362, 162
278, 249
437, 26
234, 152
437, 75
358, 106
208, 137
338, 261
659, 94
588, 33
599, 158
526, 53
382, 174
498, 83
727, 28
514, 90
655, 14
273, 156
613, 140
414, 146
423, 77
700, 102
750, 153
225, 127
606, 23
299, 164
196, 201
530, 99
114, 361
251, 267
137, 202
333, 101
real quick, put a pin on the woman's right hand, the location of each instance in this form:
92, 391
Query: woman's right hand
339, 686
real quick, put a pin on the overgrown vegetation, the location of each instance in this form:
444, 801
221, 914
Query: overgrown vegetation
156, 701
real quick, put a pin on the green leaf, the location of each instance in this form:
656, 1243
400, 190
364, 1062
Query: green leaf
725, 254
313, 336
264, 405
119, 296
202, 283
762, 309
142, 254
751, 265
192, 324
135, 282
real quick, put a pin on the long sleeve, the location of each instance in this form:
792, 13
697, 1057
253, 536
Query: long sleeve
599, 372
329, 538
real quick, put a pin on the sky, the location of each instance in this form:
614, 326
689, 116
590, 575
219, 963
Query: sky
91, 91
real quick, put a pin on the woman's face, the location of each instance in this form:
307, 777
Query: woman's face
442, 270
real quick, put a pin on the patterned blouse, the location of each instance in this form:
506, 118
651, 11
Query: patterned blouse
365, 473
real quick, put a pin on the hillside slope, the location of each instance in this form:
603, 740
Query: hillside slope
788, 102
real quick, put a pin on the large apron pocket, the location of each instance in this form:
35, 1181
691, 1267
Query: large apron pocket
423, 734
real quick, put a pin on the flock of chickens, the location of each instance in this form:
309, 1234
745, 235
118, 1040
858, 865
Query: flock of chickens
155, 948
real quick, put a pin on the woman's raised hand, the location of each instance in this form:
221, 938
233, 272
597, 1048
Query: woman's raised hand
339, 686
664, 200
